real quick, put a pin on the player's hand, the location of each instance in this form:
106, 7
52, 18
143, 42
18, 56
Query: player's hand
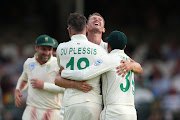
124, 68
60, 70
38, 84
82, 86
17, 97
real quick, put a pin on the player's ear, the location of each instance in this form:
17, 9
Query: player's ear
104, 30
124, 47
36, 48
109, 48
86, 28
69, 30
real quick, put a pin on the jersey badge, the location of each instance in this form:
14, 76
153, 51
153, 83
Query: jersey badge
98, 62
47, 67
31, 66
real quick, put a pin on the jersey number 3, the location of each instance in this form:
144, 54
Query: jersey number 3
124, 89
71, 63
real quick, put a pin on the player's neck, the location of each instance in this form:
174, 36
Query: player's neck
95, 37
39, 60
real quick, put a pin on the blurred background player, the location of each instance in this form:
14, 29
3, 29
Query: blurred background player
55, 46
41, 103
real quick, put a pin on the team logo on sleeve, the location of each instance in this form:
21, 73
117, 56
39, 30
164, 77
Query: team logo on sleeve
98, 62
31, 66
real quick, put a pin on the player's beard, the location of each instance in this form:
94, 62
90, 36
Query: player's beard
94, 29
44, 58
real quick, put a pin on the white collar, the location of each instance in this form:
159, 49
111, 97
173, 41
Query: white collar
117, 51
79, 37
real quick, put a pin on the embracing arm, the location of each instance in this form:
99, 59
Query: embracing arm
126, 67
102, 65
79, 85
136, 67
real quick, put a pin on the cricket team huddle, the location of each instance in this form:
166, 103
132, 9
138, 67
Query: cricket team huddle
85, 78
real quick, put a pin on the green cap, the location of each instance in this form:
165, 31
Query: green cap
44, 40
117, 40
56, 43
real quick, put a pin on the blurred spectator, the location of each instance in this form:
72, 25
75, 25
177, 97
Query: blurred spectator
176, 82
156, 112
154, 52
1, 104
171, 103
159, 84
143, 98
176, 70
172, 50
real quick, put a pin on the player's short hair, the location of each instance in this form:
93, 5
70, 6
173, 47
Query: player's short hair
96, 14
77, 22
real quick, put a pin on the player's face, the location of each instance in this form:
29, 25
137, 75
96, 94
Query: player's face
44, 53
96, 23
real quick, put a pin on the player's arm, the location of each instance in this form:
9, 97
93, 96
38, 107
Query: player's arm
101, 65
79, 85
38, 84
126, 66
21, 86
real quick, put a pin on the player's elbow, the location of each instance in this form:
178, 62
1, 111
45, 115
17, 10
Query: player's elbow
140, 70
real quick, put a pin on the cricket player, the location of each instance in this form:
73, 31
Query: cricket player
96, 27
118, 91
55, 46
46, 85
41, 103
78, 54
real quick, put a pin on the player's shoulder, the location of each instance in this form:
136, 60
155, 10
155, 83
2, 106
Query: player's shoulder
125, 57
64, 44
53, 59
96, 46
53, 62
29, 60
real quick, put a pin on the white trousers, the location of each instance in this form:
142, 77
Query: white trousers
33, 113
83, 111
118, 112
